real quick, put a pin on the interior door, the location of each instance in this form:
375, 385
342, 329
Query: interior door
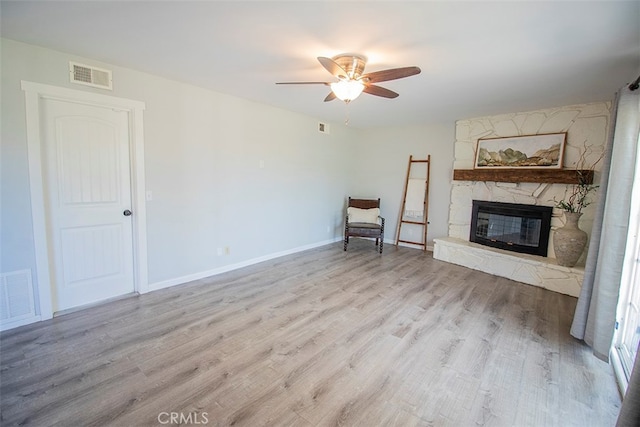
87, 170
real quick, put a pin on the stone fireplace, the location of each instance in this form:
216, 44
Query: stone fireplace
585, 124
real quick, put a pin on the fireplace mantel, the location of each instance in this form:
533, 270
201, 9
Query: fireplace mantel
552, 176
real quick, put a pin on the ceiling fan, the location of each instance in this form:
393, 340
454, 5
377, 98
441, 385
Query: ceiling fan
348, 68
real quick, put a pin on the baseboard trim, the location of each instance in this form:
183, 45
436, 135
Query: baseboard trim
224, 269
94, 304
429, 248
17, 323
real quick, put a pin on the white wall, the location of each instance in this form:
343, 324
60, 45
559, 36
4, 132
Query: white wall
382, 156
204, 152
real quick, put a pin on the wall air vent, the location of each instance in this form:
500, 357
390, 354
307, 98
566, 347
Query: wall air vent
323, 127
90, 76
17, 305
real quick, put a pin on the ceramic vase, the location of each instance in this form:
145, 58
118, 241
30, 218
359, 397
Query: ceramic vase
569, 241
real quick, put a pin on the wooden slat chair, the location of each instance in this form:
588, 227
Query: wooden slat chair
363, 220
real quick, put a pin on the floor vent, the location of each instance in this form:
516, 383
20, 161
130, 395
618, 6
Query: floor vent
90, 76
17, 305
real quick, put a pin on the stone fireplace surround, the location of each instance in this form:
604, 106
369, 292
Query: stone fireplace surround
584, 124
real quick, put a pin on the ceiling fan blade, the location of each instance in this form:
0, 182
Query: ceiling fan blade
330, 97
303, 83
333, 67
380, 91
391, 74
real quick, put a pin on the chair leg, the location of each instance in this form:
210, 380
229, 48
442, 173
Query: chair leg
381, 240
346, 232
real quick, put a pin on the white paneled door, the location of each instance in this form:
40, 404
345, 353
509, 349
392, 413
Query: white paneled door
87, 179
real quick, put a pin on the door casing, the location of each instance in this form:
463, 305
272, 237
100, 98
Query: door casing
34, 94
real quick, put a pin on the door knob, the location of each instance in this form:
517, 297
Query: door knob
126, 212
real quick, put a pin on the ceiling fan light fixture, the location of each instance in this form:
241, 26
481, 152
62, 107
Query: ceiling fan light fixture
347, 90
348, 68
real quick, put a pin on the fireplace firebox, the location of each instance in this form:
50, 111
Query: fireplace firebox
511, 226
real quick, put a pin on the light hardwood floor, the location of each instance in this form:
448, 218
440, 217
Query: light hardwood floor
318, 338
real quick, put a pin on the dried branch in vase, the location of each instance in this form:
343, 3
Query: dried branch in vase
579, 195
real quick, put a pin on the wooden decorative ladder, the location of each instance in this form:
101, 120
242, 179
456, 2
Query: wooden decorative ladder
425, 212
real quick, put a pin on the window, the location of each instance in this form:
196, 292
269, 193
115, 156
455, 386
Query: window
627, 334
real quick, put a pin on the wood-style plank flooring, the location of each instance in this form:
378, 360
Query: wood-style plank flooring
317, 338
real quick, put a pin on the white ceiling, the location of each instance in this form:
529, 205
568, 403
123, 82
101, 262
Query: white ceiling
477, 58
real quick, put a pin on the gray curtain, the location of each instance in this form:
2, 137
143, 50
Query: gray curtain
595, 316
629, 415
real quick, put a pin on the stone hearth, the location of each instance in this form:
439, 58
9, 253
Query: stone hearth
531, 269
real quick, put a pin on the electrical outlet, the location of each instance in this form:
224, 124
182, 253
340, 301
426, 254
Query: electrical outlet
219, 251
227, 250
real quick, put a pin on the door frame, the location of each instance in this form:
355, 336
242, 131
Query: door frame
35, 93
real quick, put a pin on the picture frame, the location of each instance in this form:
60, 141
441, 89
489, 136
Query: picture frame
541, 151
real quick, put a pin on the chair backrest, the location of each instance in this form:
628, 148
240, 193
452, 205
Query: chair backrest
364, 203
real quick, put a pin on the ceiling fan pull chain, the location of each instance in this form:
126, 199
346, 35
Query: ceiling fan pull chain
346, 122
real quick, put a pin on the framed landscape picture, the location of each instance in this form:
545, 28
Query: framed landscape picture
544, 151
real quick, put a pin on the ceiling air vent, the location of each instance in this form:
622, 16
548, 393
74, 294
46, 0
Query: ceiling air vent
90, 76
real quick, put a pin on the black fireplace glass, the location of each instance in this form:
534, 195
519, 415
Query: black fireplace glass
510, 226
509, 229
